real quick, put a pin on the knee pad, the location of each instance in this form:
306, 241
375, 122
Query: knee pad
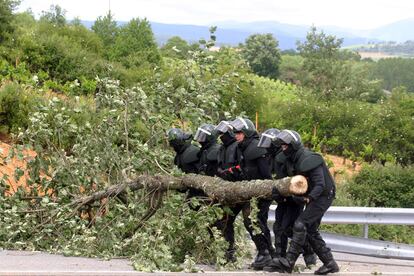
299, 226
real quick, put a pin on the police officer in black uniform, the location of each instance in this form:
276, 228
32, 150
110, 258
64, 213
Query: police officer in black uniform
255, 164
207, 137
228, 169
187, 155
318, 198
287, 210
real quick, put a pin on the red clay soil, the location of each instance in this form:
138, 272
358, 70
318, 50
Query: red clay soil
9, 166
342, 168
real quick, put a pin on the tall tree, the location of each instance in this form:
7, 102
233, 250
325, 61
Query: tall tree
176, 47
55, 15
6, 17
263, 54
106, 28
322, 61
135, 44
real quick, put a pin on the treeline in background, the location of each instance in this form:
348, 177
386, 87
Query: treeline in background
94, 105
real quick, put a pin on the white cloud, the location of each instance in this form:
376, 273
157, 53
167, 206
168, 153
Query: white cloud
357, 14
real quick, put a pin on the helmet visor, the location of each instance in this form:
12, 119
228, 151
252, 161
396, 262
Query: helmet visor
201, 135
265, 140
287, 137
239, 124
223, 127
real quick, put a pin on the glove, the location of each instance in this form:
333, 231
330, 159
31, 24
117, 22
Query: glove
276, 196
202, 169
223, 173
300, 199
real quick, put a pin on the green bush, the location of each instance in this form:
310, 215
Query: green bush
384, 186
15, 107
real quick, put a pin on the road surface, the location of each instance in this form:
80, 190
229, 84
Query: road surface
38, 263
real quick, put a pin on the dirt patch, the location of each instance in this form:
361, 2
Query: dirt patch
10, 168
342, 168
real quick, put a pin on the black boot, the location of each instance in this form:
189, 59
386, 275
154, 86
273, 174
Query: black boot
329, 264
310, 260
262, 259
308, 255
283, 265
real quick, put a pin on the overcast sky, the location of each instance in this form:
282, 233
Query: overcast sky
355, 14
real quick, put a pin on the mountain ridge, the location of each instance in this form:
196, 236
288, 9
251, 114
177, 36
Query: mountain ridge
232, 32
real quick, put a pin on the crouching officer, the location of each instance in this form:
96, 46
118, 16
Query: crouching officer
287, 210
254, 164
318, 198
187, 155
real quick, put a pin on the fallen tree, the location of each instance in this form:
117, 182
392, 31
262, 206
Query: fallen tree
215, 188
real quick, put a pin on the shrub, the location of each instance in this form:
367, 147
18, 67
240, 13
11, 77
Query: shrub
384, 186
15, 106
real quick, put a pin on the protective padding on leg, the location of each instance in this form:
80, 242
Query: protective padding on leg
299, 233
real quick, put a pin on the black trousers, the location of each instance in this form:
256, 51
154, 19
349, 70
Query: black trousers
311, 218
262, 240
285, 216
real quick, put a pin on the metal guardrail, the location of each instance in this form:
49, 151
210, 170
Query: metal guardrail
368, 247
365, 216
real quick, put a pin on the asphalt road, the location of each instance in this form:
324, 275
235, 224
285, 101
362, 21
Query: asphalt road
38, 263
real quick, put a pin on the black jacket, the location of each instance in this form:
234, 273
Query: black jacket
209, 159
312, 166
187, 158
254, 161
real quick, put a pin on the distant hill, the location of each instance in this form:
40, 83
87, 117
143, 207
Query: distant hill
399, 31
232, 33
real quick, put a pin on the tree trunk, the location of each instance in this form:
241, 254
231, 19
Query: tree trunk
217, 189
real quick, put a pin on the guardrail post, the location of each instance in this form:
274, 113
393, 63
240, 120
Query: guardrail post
366, 231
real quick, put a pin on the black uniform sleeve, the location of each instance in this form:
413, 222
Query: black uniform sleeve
317, 181
264, 166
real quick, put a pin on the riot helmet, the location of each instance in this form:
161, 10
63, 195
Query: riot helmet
223, 127
176, 134
290, 137
178, 138
205, 133
244, 125
268, 137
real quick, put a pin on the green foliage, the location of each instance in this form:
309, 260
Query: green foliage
394, 72
55, 16
263, 55
95, 142
65, 53
269, 94
6, 17
321, 60
176, 47
371, 131
135, 45
107, 30
291, 68
384, 186
15, 107
331, 73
